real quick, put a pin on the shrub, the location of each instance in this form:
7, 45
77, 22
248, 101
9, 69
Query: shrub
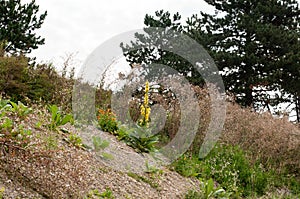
14, 77
107, 120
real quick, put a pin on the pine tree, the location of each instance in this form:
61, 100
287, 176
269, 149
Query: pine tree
252, 42
147, 48
18, 23
255, 44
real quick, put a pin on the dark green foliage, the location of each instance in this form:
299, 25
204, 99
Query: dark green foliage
142, 140
13, 76
41, 83
18, 23
254, 43
151, 49
139, 138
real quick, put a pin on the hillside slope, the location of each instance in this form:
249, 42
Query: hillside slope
53, 166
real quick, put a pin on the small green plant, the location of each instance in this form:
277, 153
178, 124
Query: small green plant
20, 109
95, 194
6, 126
4, 107
152, 169
51, 142
107, 156
99, 143
141, 139
22, 135
207, 191
57, 118
2, 190
17, 134
74, 140
122, 133
107, 120
143, 179
192, 194
187, 166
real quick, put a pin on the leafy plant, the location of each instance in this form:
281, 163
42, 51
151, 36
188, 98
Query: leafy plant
207, 191
7, 125
4, 106
57, 118
228, 166
99, 143
22, 135
122, 133
20, 109
96, 194
107, 120
74, 140
187, 166
16, 134
141, 139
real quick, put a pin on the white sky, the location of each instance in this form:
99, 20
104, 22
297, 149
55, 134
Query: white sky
74, 26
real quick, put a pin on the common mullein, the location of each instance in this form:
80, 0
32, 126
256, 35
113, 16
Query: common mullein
145, 108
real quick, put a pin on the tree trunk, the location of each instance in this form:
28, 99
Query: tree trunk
297, 102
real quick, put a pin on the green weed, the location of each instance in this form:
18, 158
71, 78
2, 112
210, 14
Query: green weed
208, 190
99, 143
95, 194
20, 109
143, 179
74, 140
51, 142
141, 139
57, 118
228, 166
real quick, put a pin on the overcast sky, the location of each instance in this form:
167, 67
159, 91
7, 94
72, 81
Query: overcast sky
74, 26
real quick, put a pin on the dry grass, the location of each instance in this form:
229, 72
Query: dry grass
274, 141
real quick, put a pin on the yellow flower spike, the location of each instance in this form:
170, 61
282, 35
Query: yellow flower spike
145, 108
146, 101
147, 87
142, 110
